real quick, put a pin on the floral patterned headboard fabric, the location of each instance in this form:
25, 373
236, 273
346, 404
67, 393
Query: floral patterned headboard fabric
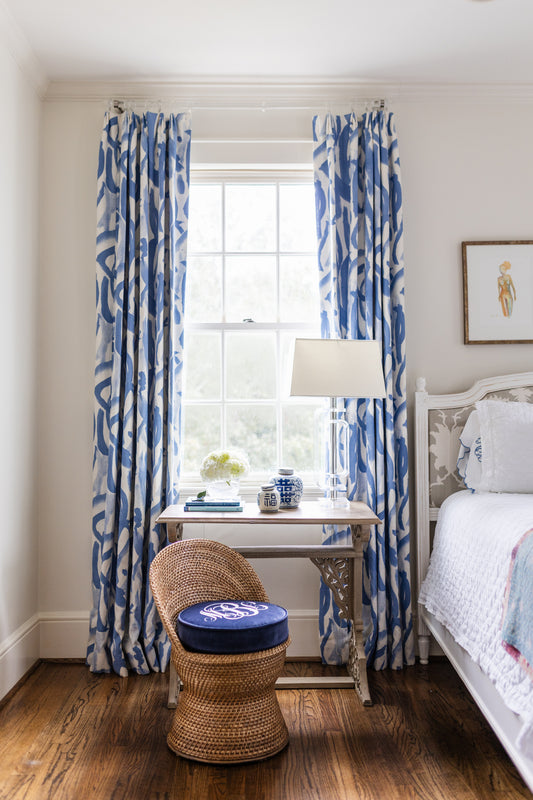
444, 428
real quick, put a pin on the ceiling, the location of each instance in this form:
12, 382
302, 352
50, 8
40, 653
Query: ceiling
399, 41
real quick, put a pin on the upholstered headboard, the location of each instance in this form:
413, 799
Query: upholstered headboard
444, 429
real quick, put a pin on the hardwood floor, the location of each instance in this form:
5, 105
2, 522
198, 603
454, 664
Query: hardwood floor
69, 735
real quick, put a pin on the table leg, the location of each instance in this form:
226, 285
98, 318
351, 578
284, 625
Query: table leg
357, 666
174, 534
173, 686
174, 531
357, 658
339, 575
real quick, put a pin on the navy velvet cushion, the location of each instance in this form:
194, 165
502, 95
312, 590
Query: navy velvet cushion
232, 626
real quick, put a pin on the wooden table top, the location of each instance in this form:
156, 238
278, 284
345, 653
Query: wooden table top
308, 512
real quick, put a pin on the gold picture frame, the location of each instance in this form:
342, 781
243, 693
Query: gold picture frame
498, 292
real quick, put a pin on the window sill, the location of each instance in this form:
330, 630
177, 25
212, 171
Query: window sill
189, 487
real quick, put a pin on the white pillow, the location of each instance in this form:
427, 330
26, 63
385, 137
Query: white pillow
507, 444
469, 461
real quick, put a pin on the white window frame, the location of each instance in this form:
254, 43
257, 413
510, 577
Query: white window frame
267, 175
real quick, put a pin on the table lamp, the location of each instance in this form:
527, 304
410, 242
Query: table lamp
338, 369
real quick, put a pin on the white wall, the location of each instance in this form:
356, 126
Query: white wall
467, 169
19, 141
70, 139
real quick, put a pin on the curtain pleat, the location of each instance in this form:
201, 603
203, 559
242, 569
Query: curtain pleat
142, 211
361, 279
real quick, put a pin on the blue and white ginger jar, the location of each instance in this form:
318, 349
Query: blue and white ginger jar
289, 486
268, 498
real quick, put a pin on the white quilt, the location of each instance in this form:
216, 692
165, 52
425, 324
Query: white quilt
465, 585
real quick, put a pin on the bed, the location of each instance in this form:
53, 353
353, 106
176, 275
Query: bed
460, 531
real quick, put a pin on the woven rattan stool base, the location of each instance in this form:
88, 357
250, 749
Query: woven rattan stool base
230, 713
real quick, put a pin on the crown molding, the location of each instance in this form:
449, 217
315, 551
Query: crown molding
22, 53
215, 92
239, 93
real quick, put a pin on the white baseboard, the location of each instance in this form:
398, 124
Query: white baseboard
303, 628
63, 634
18, 653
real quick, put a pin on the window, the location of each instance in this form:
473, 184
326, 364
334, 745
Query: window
252, 287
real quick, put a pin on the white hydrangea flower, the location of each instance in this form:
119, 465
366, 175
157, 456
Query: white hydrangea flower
224, 465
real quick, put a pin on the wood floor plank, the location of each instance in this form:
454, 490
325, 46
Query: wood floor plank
69, 735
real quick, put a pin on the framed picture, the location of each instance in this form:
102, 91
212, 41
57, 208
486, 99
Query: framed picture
498, 292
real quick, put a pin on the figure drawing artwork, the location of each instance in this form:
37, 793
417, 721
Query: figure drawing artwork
506, 290
498, 292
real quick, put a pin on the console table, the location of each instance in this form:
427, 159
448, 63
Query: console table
340, 567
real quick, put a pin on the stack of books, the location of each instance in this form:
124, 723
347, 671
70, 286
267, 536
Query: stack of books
198, 504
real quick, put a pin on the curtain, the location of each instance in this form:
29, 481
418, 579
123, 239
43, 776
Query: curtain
142, 209
361, 274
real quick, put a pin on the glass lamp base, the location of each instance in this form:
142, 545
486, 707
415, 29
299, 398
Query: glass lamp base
333, 502
331, 456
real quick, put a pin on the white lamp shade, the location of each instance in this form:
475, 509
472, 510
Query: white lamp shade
337, 368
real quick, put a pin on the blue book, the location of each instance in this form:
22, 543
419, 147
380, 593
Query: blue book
196, 502
210, 507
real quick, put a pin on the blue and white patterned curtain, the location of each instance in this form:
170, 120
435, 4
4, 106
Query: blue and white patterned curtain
142, 209
360, 236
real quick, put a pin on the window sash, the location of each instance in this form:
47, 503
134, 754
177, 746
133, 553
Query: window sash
281, 400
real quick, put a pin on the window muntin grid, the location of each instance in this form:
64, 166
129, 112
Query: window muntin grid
252, 287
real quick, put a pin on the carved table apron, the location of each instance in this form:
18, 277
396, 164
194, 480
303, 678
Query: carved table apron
339, 565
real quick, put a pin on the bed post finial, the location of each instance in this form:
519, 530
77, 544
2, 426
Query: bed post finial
420, 384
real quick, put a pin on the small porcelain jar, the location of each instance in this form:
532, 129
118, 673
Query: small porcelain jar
268, 498
289, 486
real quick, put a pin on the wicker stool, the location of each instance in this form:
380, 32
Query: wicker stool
228, 711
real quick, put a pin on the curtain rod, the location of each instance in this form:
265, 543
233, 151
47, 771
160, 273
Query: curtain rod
371, 104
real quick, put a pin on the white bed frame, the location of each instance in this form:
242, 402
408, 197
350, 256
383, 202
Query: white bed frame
439, 419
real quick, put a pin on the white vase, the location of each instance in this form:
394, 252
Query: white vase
223, 490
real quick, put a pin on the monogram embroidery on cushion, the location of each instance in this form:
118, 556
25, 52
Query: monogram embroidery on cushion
232, 610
